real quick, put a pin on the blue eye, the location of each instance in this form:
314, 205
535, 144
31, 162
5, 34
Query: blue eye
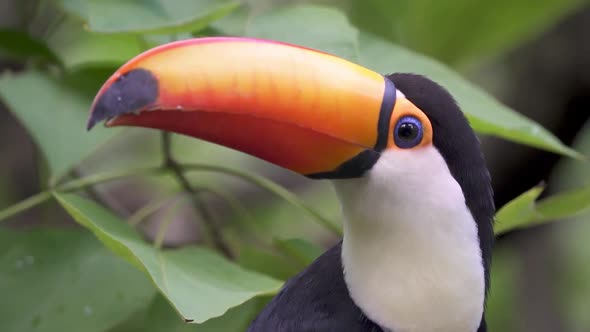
408, 132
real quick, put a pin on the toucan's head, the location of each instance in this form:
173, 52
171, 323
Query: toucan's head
312, 113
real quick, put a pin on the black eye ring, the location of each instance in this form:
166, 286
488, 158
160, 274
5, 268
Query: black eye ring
408, 132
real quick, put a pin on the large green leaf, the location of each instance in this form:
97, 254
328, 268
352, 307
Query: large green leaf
78, 48
327, 29
55, 115
77, 8
524, 211
518, 211
56, 280
486, 114
566, 204
161, 16
312, 26
457, 30
197, 281
160, 317
304, 252
267, 262
233, 24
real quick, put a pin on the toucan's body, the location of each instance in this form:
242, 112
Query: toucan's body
318, 300
415, 192
315, 300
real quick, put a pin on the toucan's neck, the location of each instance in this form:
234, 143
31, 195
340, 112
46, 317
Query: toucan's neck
411, 253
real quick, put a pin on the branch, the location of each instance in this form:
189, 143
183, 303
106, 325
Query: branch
97, 196
163, 227
94, 179
74, 185
145, 211
272, 187
98, 178
200, 206
25, 205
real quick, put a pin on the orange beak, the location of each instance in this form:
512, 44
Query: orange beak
304, 110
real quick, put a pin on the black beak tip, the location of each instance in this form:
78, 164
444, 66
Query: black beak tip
130, 93
91, 123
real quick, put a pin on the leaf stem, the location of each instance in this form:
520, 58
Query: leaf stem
243, 218
25, 205
98, 178
77, 184
271, 187
151, 207
178, 172
166, 222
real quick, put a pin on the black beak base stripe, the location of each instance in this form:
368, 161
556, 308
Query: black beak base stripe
385, 115
364, 161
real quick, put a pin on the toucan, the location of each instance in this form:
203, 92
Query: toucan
406, 166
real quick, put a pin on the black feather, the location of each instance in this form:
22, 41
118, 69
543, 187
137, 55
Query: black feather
315, 300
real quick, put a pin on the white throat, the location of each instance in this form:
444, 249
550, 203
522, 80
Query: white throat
411, 254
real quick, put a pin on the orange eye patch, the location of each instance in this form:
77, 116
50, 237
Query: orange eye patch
409, 127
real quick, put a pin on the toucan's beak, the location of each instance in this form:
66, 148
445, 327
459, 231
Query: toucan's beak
308, 111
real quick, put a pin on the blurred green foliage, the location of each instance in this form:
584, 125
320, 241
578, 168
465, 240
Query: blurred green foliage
62, 148
55, 278
458, 31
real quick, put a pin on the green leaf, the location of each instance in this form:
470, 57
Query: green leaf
233, 24
160, 316
518, 212
198, 282
160, 16
328, 30
78, 48
565, 205
486, 114
236, 319
268, 263
303, 251
56, 280
458, 30
524, 212
153, 40
55, 116
77, 8
19, 44
311, 26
